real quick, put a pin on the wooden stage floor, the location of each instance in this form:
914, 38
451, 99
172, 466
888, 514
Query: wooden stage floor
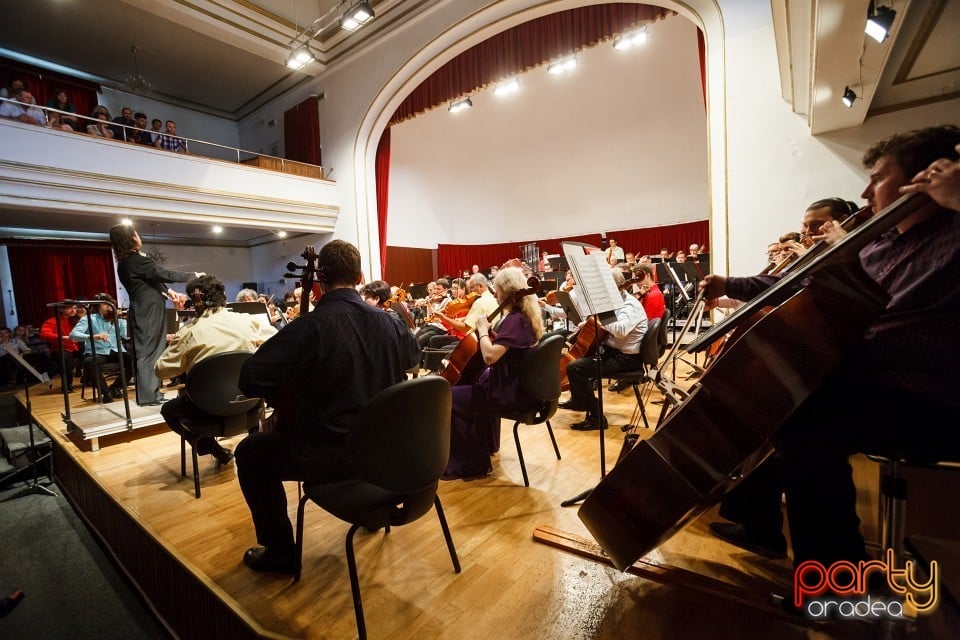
185, 553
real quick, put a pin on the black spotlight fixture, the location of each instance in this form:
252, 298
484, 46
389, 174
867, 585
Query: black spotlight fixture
879, 21
849, 97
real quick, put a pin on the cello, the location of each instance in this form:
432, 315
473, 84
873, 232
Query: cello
719, 434
465, 362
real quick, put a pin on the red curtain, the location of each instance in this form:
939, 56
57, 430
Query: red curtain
383, 183
44, 85
452, 259
674, 237
702, 50
301, 132
45, 272
524, 47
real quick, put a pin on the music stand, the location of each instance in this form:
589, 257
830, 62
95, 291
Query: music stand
34, 486
601, 297
559, 263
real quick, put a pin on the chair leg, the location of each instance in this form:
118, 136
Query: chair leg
446, 535
553, 439
355, 583
643, 412
523, 466
299, 540
183, 456
196, 476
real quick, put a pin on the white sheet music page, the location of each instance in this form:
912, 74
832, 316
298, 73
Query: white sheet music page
596, 282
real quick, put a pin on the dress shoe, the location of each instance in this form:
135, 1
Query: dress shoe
106, 398
570, 405
223, 459
737, 534
590, 424
619, 386
116, 392
271, 559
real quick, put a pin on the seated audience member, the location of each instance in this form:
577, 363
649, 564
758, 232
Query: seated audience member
72, 353
121, 122
170, 140
102, 325
318, 402
11, 91
155, 125
10, 369
37, 356
216, 330
621, 352
23, 108
475, 427
61, 102
102, 127
141, 137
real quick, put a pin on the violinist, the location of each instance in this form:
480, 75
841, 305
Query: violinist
483, 305
444, 293
102, 326
648, 293
475, 427
378, 294
72, 353
322, 369
620, 352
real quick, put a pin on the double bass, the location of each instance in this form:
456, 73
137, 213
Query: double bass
466, 362
719, 434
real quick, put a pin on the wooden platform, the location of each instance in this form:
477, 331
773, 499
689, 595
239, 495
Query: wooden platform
185, 554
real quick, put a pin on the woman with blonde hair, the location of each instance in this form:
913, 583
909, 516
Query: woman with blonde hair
475, 425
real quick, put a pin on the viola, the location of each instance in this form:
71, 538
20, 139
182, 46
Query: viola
465, 363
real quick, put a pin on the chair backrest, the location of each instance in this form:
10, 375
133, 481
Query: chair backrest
401, 440
650, 345
212, 385
662, 334
541, 369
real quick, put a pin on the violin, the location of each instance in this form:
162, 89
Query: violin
395, 302
465, 362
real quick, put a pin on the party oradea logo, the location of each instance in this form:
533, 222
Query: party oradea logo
842, 590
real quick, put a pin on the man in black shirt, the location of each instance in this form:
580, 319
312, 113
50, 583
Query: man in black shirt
318, 372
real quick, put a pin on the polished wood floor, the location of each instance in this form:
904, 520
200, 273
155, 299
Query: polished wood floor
510, 587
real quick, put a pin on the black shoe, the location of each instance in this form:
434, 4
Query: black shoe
272, 560
116, 392
590, 424
224, 458
570, 405
741, 536
106, 398
619, 386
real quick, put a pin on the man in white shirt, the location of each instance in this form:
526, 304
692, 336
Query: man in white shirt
620, 351
23, 109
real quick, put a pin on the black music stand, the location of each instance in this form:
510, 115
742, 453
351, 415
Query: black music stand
590, 274
33, 487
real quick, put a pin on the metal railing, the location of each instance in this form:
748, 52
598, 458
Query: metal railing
54, 119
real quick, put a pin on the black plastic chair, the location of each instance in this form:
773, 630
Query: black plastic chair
652, 347
399, 446
212, 388
541, 379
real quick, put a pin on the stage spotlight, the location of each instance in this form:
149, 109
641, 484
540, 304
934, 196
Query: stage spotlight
849, 97
460, 105
879, 22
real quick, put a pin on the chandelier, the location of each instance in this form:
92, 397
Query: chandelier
135, 82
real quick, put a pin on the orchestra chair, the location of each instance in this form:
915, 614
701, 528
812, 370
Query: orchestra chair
110, 372
399, 446
540, 378
652, 348
212, 387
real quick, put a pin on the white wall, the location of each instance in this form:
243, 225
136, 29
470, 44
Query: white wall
269, 261
231, 264
619, 143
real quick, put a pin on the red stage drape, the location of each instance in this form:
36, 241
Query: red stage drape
301, 132
383, 183
452, 259
673, 237
523, 47
47, 271
44, 85
702, 50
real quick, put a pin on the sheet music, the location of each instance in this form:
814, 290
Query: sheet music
595, 280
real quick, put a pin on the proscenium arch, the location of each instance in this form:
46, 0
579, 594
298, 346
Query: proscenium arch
498, 17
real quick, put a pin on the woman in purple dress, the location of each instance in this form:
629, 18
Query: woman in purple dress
475, 424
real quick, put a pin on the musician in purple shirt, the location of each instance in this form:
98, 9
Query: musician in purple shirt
896, 392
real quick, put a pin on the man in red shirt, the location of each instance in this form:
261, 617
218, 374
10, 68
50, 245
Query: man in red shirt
71, 350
